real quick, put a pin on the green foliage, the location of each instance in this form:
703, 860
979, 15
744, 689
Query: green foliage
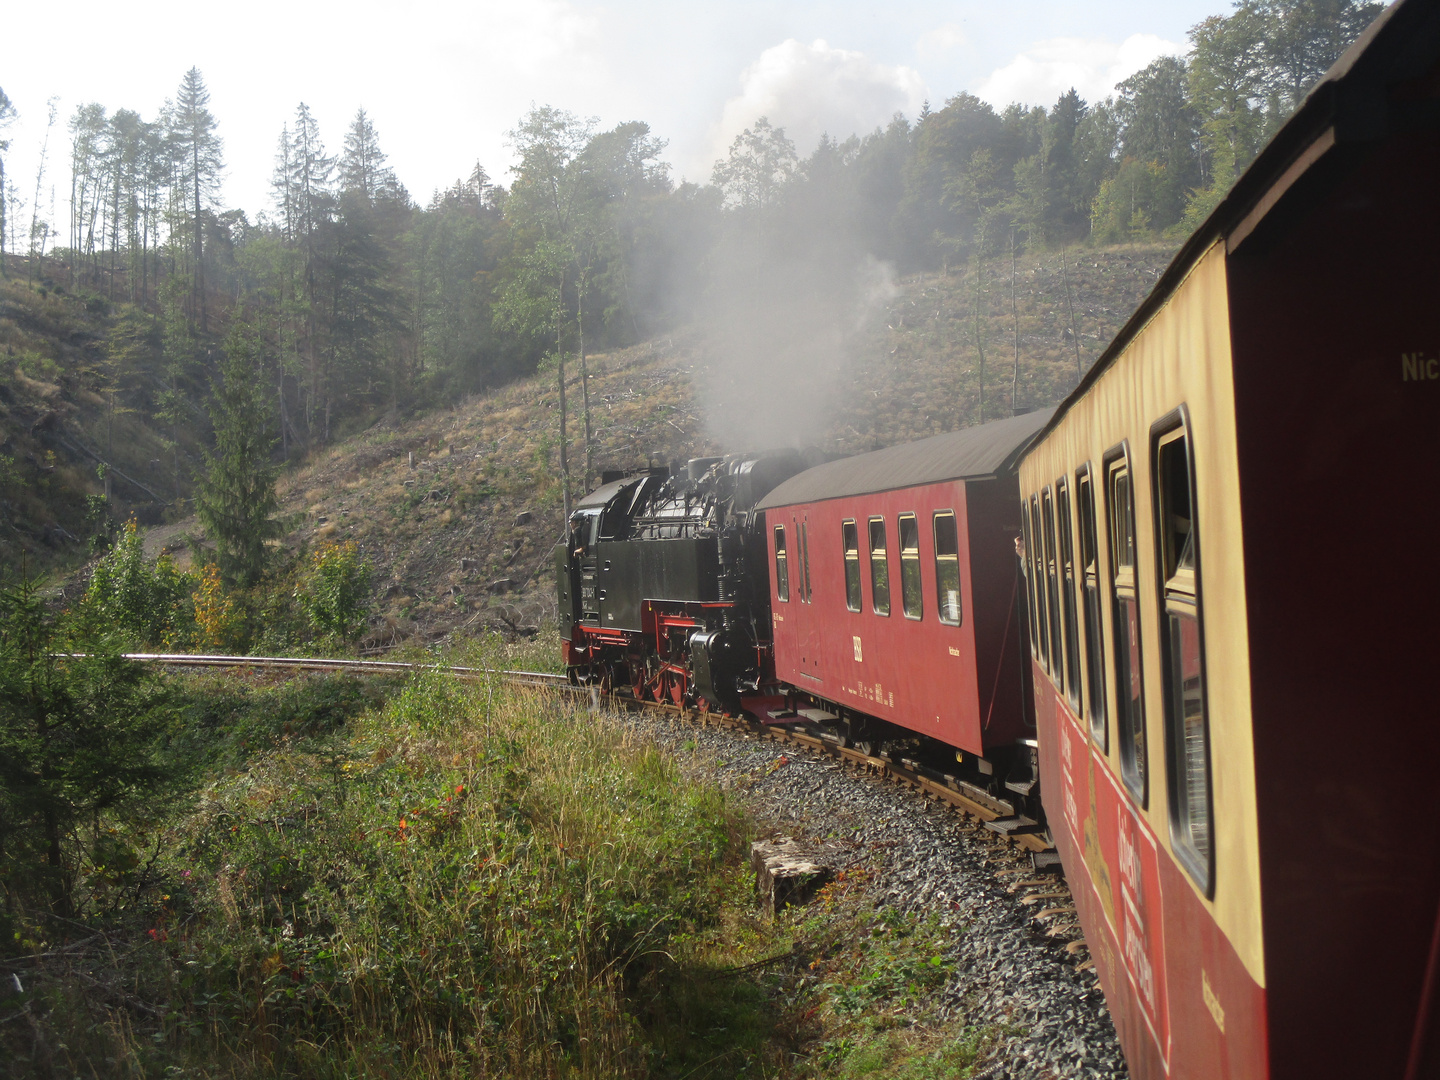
362, 301
336, 591
138, 603
442, 887
81, 736
760, 162
1126, 205
236, 501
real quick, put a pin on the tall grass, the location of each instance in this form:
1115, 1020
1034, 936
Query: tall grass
434, 878
466, 881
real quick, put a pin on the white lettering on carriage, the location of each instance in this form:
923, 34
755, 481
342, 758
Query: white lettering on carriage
1211, 1001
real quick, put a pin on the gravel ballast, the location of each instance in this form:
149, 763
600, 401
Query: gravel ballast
923, 859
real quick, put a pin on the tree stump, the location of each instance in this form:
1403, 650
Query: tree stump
787, 873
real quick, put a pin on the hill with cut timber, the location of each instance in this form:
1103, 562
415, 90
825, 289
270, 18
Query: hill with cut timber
457, 509
461, 538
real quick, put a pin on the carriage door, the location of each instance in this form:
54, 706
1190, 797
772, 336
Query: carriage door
808, 639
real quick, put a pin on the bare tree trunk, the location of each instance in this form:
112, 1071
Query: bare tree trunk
584, 381
979, 344
39, 262
2, 218
564, 457
199, 248
1074, 330
1015, 318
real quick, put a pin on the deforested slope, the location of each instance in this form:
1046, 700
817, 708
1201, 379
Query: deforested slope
459, 509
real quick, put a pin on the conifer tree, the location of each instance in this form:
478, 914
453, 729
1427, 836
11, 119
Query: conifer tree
363, 172
236, 501
198, 155
303, 188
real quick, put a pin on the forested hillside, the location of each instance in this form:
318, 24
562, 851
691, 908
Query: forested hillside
351, 302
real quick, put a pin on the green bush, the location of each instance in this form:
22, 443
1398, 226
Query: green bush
142, 604
456, 883
336, 592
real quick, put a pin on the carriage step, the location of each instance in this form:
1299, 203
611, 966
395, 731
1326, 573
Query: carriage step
820, 716
1014, 826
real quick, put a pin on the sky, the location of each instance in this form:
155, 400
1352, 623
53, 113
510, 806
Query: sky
444, 81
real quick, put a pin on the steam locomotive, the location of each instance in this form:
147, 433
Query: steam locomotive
662, 581
1214, 651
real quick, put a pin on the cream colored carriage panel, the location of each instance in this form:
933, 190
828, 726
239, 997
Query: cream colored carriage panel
1182, 356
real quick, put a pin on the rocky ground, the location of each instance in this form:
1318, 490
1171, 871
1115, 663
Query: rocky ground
1007, 975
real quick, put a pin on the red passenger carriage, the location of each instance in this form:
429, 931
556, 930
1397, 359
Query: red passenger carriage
895, 599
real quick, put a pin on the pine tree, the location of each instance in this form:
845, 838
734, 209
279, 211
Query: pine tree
236, 501
79, 735
303, 179
363, 172
198, 154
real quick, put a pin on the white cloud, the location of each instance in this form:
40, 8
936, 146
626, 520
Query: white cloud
1049, 68
813, 90
936, 44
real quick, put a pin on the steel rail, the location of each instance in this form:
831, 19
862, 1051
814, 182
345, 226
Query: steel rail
368, 667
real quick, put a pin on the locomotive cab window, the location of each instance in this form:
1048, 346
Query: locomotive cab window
1090, 579
1050, 571
911, 595
1066, 557
1129, 674
879, 568
1187, 735
850, 538
782, 565
947, 568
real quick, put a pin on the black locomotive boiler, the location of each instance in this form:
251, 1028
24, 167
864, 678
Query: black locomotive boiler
662, 583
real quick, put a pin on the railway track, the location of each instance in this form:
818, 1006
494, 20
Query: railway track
1034, 863
359, 667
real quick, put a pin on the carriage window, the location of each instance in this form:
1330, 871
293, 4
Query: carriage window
805, 562
1035, 556
1028, 543
1066, 553
911, 597
879, 568
1090, 577
850, 536
1129, 675
1050, 569
947, 568
782, 567
1187, 742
